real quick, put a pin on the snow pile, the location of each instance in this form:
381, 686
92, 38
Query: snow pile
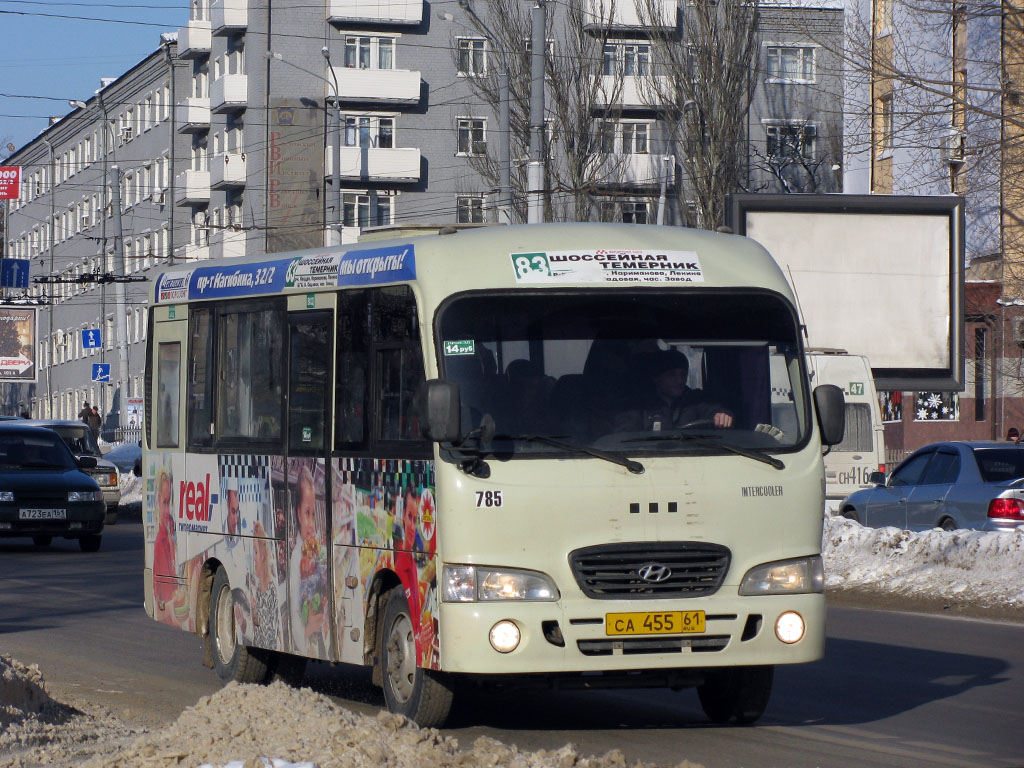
253, 726
36, 730
979, 567
131, 488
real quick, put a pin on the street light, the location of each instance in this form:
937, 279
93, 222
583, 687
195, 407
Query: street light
504, 120
335, 200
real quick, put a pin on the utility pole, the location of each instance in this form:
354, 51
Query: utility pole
535, 167
121, 316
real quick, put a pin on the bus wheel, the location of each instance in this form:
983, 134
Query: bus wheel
736, 694
420, 694
231, 660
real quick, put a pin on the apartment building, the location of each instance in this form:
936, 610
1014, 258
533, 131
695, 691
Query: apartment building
223, 139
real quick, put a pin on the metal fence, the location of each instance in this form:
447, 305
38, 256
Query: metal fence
122, 434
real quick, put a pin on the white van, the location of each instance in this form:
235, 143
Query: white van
862, 451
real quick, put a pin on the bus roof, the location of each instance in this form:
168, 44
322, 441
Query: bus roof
536, 255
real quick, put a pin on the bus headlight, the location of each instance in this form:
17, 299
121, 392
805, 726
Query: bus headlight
474, 583
799, 576
504, 636
789, 627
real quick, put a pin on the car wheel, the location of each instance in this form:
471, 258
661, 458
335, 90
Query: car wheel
42, 541
90, 542
111, 517
948, 524
420, 694
736, 694
231, 660
851, 514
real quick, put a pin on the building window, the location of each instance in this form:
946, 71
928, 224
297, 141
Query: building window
627, 138
472, 56
470, 209
369, 131
472, 136
369, 52
625, 211
360, 210
885, 125
629, 59
790, 140
790, 64
936, 406
980, 370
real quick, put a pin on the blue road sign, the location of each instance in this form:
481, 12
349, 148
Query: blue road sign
101, 371
92, 339
14, 273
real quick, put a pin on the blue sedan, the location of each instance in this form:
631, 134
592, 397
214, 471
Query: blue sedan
978, 484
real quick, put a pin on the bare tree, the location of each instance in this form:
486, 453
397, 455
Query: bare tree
703, 88
578, 96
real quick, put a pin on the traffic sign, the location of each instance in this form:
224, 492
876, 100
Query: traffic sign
101, 371
92, 338
14, 273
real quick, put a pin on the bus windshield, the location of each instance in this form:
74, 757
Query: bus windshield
644, 373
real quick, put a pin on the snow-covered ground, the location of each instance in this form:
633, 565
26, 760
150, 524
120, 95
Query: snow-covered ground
965, 566
250, 726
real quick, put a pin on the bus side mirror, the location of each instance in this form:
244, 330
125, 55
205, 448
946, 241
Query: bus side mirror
831, 408
441, 408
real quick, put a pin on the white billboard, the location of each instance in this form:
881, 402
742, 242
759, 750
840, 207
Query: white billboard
876, 275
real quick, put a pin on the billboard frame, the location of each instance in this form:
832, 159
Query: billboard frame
951, 207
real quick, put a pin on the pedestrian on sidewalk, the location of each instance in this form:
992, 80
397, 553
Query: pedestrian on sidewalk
83, 415
95, 421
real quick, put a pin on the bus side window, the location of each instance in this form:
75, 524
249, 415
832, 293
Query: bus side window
168, 372
399, 361
353, 370
200, 380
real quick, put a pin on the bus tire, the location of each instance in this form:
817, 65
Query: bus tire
736, 694
423, 696
231, 660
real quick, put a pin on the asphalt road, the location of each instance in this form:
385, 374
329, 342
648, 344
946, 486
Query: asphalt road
895, 689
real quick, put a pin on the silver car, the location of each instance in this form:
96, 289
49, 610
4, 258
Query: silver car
80, 439
977, 484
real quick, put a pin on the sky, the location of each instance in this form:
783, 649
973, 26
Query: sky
46, 52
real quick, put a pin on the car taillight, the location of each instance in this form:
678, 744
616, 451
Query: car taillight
1006, 508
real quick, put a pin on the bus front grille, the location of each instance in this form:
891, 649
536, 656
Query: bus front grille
638, 645
650, 570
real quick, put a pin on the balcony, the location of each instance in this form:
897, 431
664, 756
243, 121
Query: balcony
229, 93
194, 40
375, 11
227, 243
392, 165
227, 170
228, 16
192, 187
631, 14
630, 92
192, 114
382, 86
634, 170
192, 252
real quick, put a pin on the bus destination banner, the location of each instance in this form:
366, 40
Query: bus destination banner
322, 270
608, 265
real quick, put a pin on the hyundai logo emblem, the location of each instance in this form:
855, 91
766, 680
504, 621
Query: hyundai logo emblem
654, 572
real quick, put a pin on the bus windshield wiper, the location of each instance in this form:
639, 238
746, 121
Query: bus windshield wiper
714, 440
633, 466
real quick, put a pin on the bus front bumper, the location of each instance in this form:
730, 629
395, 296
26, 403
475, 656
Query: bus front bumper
571, 637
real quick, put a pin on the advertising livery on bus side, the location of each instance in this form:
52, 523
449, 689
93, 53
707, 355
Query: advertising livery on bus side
583, 454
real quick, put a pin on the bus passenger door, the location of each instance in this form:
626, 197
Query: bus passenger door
165, 457
310, 360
